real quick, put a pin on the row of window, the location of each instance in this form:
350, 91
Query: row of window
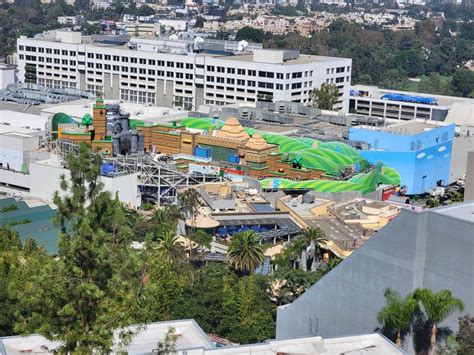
338, 70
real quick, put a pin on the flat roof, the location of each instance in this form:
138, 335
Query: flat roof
463, 211
153, 114
356, 344
22, 120
407, 127
189, 335
302, 59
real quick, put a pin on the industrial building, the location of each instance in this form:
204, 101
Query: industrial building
7, 75
400, 105
177, 73
430, 249
420, 151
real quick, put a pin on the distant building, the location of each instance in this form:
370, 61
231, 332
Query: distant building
431, 249
71, 20
400, 105
418, 150
178, 73
139, 29
7, 75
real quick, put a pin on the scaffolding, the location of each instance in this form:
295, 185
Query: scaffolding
162, 181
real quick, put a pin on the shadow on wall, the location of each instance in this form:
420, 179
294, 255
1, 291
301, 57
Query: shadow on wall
421, 333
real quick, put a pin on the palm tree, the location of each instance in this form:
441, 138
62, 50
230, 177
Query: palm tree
398, 314
437, 307
315, 237
167, 243
245, 252
188, 200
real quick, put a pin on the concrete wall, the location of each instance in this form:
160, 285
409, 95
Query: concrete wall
427, 249
45, 181
461, 146
469, 187
14, 179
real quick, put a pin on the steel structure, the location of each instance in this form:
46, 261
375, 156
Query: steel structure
162, 179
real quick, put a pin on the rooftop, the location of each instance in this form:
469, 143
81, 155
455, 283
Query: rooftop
358, 344
411, 127
190, 335
15, 120
463, 211
302, 59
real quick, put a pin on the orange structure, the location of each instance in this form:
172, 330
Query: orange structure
256, 157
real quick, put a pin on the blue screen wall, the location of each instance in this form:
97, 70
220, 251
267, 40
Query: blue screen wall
421, 159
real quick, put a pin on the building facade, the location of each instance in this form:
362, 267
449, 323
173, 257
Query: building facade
431, 249
419, 151
401, 105
177, 73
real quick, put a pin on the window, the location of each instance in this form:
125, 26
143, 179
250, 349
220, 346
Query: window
252, 72
151, 62
297, 75
230, 81
189, 66
251, 83
107, 57
142, 61
231, 70
98, 56
280, 76
340, 70
125, 59
90, 55
116, 58
179, 65
220, 69
133, 60
170, 64
189, 76
210, 68
241, 71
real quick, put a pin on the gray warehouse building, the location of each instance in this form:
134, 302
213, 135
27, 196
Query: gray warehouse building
432, 249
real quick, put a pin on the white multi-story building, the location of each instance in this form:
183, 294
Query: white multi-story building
168, 72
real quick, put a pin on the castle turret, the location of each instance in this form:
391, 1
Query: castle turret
100, 119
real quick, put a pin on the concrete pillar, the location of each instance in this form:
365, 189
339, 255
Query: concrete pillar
469, 182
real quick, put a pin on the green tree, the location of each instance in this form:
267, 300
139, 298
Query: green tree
250, 34
188, 201
245, 252
315, 238
164, 290
90, 290
399, 313
437, 306
199, 22
168, 245
325, 97
465, 335
230, 308
463, 83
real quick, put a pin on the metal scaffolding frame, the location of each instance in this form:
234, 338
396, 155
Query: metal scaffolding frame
162, 177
